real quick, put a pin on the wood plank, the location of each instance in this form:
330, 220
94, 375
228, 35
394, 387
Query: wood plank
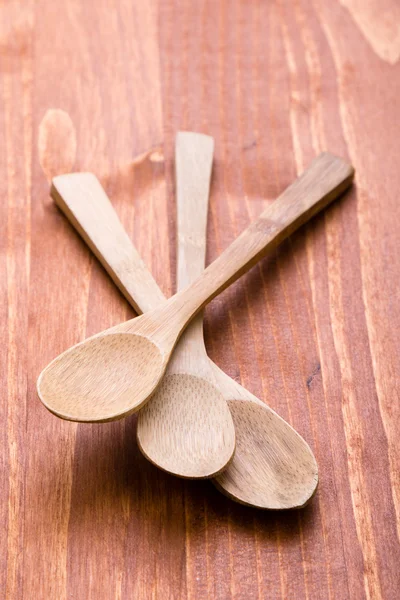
312, 330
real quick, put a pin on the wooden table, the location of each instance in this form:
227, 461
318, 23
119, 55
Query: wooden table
313, 330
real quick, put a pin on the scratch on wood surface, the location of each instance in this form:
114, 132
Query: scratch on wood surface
314, 374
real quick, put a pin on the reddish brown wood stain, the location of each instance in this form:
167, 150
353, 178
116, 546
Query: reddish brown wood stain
312, 330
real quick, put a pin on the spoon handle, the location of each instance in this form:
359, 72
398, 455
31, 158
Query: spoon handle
325, 179
193, 165
84, 202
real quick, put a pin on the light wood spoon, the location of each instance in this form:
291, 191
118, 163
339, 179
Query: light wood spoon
113, 373
187, 428
273, 467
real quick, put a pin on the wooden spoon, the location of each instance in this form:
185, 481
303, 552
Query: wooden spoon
273, 467
113, 373
187, 428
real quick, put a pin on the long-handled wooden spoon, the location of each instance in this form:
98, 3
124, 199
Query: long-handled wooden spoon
114, 373
273, 467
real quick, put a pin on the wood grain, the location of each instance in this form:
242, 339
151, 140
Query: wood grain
314, 329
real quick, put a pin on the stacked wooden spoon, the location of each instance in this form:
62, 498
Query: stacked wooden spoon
195, 421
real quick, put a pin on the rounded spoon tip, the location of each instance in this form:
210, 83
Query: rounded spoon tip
273, 467
104, 378
204, 443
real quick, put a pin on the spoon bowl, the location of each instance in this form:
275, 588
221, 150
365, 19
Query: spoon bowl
273, 466
275, 480
115, 371
198, 401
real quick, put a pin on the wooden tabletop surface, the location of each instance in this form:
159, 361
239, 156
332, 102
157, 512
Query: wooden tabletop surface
313, 330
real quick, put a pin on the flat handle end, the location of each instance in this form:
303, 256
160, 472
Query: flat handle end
344, 166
